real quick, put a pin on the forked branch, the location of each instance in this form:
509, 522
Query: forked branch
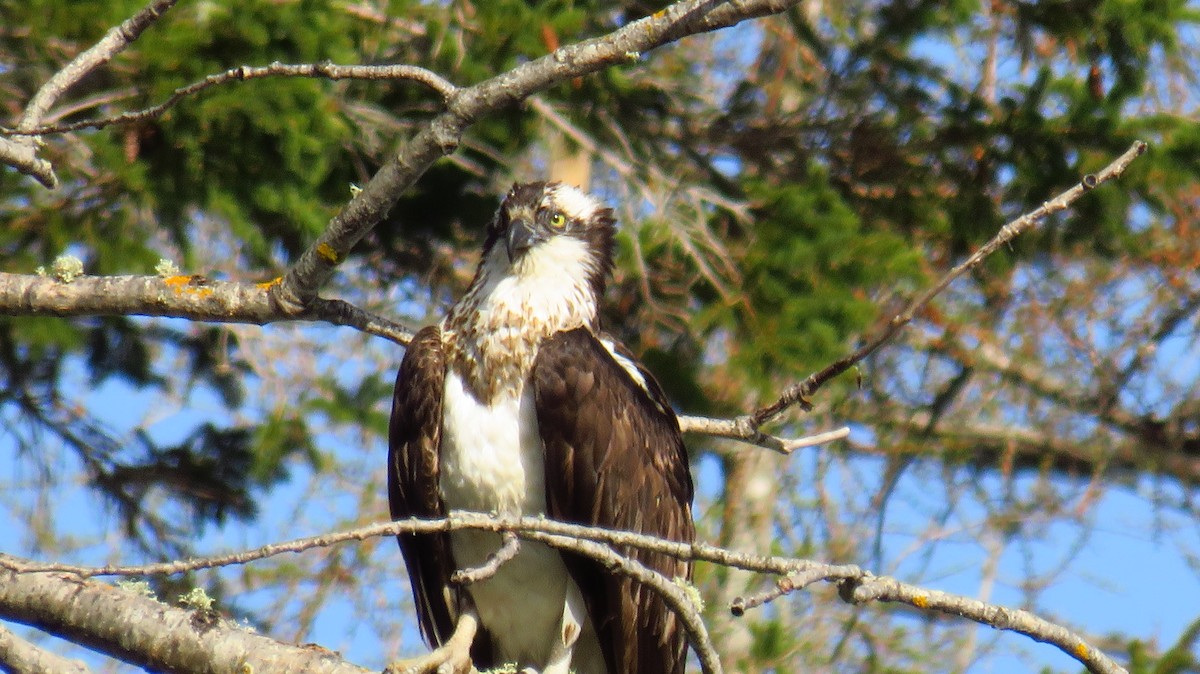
799, 393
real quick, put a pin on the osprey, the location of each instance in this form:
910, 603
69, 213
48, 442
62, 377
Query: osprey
516, 404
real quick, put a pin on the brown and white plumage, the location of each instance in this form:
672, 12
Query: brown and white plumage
515, 404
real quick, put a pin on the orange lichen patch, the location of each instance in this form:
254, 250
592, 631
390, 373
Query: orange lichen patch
326, 251
1081, 650
192, 285
659, 14
267, 285
921, 601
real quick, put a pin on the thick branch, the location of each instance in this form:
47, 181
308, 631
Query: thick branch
141, 631
18, 656
22, 155
441, 136
800, 392
193, 297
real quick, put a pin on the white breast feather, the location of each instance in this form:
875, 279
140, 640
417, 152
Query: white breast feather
491, 457
492, 461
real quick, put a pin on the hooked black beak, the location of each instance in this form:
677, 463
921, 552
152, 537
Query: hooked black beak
521, 237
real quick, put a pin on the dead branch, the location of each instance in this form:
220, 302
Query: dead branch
139, 630
675, 596
327, 71
738, 429
23, 153
442, 134
800, 392
194, 297
508, 549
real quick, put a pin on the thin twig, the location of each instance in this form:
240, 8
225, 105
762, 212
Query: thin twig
785, 585
315, 70
742, 428
800, 392
505, 553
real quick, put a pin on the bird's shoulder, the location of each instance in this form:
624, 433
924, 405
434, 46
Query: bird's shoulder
582, 360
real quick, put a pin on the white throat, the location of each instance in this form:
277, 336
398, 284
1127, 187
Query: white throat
512, 306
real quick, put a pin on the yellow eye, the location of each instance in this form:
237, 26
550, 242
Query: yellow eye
558, 220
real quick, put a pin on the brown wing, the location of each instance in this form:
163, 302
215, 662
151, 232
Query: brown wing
615, 458
414, 440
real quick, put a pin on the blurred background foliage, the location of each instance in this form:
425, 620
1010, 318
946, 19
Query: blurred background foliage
783, 188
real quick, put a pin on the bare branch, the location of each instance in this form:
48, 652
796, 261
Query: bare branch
801, 572
785, 585
742, 428
23, 157
442, 135
146, 633
799, 393
18, 656
508, 549
115, 41
879, 588
194, 297
676, 598
315, 70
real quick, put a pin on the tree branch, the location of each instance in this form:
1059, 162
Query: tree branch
800, 392
242, 73
879, 588
18, 656
146, 633
22, 155
676, 598
113, 42
194, 297
441, 135
801, 572
741, 429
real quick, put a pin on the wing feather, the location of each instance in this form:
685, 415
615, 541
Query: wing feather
615, 458
414, 442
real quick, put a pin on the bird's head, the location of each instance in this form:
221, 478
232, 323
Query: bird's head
552, 233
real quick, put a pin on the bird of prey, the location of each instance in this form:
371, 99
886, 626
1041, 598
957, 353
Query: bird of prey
516, 404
